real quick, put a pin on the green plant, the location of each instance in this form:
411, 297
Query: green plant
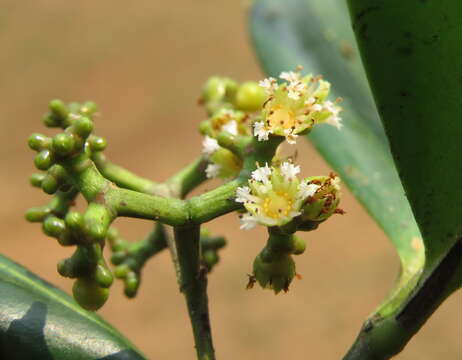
247, 124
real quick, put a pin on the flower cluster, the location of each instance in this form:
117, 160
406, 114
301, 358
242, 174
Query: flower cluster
293, 107
275, 195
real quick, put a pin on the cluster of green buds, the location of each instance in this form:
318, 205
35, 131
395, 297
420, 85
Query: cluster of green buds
86, 231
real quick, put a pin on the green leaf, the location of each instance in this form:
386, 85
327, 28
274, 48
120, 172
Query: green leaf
39, 321
317, 35
412, 51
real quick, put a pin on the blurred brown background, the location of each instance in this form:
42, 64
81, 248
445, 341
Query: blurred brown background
144, 63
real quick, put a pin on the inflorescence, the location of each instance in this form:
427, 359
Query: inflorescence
246, 125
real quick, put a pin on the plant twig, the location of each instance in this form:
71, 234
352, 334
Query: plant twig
194, 287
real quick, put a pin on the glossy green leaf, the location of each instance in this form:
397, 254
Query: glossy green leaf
317, 34
39, 321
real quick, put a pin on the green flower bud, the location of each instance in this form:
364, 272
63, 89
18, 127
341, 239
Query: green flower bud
89, 294
39, 142
132, 284
83, 126
103, 276
53, 226
89, 108
36, 179
50, 120
112, 234
50, 184
36, 214
250, 97
299, 245
66, 239
210, 258
118, 257
276, 275
121, 271
43, 160
63, 144
58, 109
325, 200
218, 89
97, 143
74, 221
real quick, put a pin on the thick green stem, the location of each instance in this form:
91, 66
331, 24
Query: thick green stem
194, 287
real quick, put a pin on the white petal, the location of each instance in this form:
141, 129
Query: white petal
307, 190
290, 76
243, 195
209, 145
334, 119
247, 222
335, 182
262, 174
269, 84
212, 170
230, 127
289, 171
260, 131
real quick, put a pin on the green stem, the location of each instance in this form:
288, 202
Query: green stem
122, 177
187, 179
194, 287
142, 250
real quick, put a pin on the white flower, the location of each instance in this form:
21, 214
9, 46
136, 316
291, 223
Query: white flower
260, 131
269, 84
308, 190
262, 174
274, 195
212, 170
335, 182
243, 195
289, 171
209, 146
290, 76
334, 119
247, 222
230, 127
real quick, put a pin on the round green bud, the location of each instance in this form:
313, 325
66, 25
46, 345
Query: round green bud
299, 245
50, 120
63, 144
50, 184
39, 142
89, 294
96, 231
103, 276
250, 97
43, 160
36, 179
59, 109
36, 214
210, 258
62, 268
112, 233
132, 283
219, 89
98, 143
118, 257
276, 275
53, 226
74, 220
89, 108
66, 239
121, 271
83, 126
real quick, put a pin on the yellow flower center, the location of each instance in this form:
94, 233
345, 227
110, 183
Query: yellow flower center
280, 116
277, 205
